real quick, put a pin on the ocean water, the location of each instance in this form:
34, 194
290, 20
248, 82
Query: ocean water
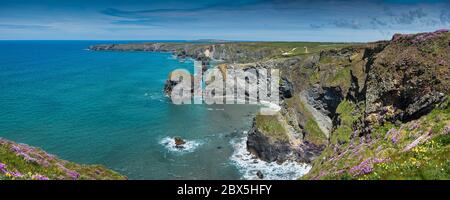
108, 108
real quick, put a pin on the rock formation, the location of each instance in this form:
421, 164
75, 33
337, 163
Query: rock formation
337, 103
179, 142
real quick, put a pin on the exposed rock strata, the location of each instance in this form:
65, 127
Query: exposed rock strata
336, 97
395, 80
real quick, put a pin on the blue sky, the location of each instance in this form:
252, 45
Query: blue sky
280, 20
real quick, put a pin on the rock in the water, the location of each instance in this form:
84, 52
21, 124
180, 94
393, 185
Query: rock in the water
170, 84
279, 162
168, 87
179, 142
260, 175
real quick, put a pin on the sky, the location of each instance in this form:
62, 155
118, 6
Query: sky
248, 20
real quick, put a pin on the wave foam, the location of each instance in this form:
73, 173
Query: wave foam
248, 165
189, 146
155, 96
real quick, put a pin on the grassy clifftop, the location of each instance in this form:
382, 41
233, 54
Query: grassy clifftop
20, 161
380, 110
231, 52
394, 119
418, 149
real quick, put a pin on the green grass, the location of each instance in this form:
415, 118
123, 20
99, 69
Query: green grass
312, 131
428, 160
314, 77
348, 115
435, 46
280, 47
341, 77
270, 126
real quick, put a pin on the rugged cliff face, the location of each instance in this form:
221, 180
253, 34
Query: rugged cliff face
352, 111
344, 99
229, 52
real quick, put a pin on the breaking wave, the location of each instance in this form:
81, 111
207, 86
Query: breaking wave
248, 165
188, 147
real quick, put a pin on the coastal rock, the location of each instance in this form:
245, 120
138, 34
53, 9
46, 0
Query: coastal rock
324, 99
229, 52
322, 102
168, 87
286, 88
308, 152
265, 147
275, 149
179, 142
259, 174
393, 81
407, 78
170, 84
334, 100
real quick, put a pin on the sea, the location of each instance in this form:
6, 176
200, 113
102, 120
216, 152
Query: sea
108, 108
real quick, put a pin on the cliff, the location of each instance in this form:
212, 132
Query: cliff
372, 111
229, 52
393, 119
23, 162
354, 111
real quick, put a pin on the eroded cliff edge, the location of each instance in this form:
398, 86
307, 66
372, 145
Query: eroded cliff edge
365, 111
377, 110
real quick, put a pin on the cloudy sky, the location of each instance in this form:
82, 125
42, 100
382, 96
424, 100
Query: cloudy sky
281, 20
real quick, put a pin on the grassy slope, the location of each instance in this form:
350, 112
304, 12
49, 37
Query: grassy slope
280, 47
311, 128
416, 150
269, 125
20, 161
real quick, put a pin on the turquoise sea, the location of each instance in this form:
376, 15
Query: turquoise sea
109, 108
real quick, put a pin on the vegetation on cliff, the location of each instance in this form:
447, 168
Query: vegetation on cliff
354, 111
395, 123
230, 52
23, 162
379, 109
418, 149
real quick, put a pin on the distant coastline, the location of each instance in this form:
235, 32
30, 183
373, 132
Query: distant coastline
331, 96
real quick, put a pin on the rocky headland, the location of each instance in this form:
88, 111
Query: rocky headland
353, 111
